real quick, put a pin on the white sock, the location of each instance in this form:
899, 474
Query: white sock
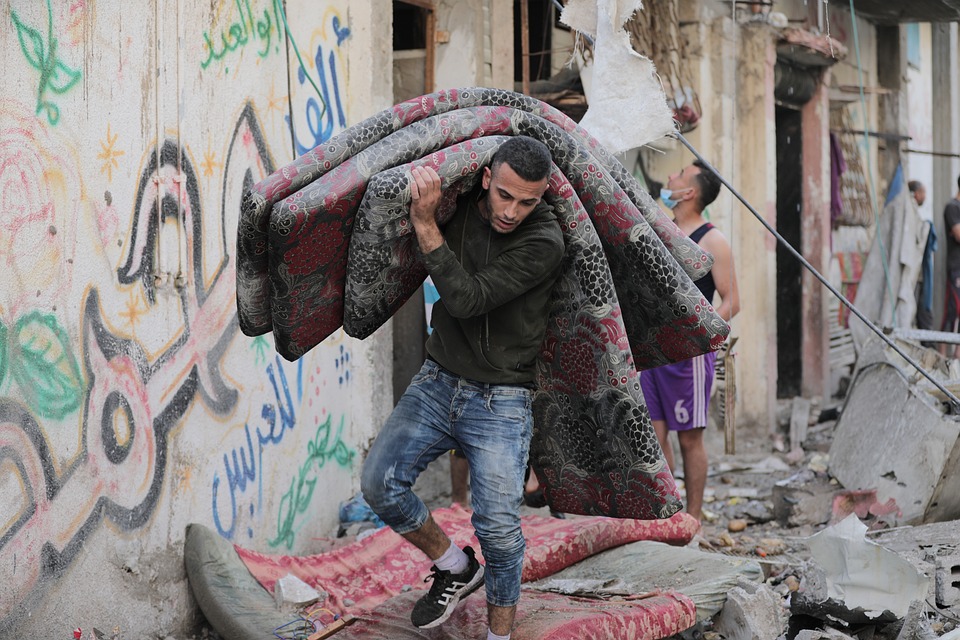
453, 560
492, 636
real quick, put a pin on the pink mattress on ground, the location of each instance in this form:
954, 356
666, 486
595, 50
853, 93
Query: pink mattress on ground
540, 616
364, 574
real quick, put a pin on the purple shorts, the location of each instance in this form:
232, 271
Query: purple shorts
679, 393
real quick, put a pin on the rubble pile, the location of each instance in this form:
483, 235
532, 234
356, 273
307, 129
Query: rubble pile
838, 562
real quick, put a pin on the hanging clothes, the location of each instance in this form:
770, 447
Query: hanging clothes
925, 297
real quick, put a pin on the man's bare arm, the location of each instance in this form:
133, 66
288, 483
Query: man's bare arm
724, 274
955, 232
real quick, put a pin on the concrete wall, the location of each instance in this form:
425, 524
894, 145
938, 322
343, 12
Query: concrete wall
920, 119
754, 246
945, 72
733, 71
130, 404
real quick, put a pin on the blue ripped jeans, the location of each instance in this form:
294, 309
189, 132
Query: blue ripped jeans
491, 425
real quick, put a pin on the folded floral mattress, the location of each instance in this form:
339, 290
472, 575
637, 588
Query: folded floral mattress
326, 242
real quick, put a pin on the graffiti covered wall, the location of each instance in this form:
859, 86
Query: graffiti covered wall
130, 403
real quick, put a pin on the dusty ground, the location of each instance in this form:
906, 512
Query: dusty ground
739, 515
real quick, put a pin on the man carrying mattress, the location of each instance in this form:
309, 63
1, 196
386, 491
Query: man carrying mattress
494, 264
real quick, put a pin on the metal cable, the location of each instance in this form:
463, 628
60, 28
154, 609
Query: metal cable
954, 401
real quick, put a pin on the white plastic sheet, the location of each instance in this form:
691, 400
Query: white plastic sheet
628, 108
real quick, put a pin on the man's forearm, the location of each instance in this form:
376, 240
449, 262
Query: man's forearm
428, 236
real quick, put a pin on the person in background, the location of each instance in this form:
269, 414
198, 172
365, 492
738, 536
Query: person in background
925, 282
678, 394
918, 191
951, 307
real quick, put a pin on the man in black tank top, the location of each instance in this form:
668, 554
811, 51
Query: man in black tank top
678, 395
951, 311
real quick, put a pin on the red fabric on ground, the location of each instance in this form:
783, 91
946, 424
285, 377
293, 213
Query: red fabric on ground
540, 616
366, 573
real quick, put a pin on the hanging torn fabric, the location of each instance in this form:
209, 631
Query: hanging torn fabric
622, 115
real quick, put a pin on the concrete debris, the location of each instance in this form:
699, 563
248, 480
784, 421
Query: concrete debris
291, 593
948, 581
827, 633
767, 465
915, 625
804, 498
752, 612
862, 575
896, 438
799, 422
812, 599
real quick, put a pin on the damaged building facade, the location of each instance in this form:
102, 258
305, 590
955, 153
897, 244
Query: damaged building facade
775, 86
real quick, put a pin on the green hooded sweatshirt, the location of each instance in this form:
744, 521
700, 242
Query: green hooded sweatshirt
494, 293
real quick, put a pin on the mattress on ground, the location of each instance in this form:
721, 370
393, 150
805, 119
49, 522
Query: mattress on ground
648, 566
364, 574
540, 616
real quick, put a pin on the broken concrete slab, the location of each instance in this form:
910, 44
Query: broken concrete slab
948, 581
895, 437
752, 612
915, 624
813, 599
646, 566
804, 498
934, 550
860, 575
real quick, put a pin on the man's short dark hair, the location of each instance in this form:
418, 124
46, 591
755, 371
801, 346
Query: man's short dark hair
708, 184
529, 158
958, 182
914, 185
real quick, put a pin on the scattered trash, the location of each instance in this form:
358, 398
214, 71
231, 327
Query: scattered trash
818, 463
863, 503
772, 546
726, 540
736, 525
356, 516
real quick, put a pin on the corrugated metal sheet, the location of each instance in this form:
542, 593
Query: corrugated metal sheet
889, 12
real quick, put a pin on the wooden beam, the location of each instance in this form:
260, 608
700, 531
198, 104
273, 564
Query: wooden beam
430, 62
429, 5
525, 46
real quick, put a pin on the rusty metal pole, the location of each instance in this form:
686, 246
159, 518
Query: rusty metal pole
525, 46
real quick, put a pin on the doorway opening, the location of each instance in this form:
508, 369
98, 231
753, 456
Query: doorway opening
789, 270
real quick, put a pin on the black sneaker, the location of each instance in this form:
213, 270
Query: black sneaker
446, 592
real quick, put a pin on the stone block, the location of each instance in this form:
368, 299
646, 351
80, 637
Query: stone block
803, 498
752, 612
290, 592
948, 581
